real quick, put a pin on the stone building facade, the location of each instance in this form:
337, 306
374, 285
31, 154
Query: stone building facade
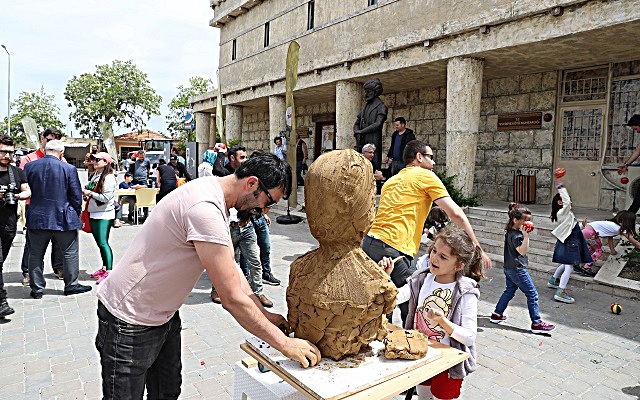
456, 72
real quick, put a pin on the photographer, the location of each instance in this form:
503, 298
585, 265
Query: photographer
13, 187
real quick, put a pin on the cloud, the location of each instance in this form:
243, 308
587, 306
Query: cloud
52, 41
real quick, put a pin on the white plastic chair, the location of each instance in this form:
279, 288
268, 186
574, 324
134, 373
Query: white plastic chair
145, 197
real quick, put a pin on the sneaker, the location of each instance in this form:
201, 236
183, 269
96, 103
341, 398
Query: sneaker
98, 273
265, 302
117, 223
563, 296
102, 277
542, 327
497, 318
553, 282
5, 309
25, 280
35, 295
584, 271
77, 289
215, 297
59, 274
269, 279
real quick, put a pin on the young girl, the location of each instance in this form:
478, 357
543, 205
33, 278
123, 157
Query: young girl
516, 245
571, 246
101, 193
623, 222
443, 304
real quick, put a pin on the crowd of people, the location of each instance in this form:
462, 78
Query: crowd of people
223, 229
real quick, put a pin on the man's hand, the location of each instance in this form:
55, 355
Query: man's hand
279, 321
622, 169
302, 351
267, 219
378, 175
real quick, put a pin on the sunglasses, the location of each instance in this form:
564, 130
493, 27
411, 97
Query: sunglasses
97, 159
6, 152
266, 191
429, 156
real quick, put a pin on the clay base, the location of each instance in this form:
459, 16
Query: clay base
405, 344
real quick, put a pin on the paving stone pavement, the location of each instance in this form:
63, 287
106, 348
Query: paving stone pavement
47, 350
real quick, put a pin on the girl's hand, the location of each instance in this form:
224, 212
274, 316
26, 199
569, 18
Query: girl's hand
86, 192
387, 264
435, 315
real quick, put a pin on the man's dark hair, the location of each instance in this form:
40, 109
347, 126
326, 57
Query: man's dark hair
128, 174
272, 171
634, 120
412, 149
233, 150
52, 131
401, 120
6, 140
256, 153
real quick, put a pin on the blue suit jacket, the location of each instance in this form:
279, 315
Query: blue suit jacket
56, 195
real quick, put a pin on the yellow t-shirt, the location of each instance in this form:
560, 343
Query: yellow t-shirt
405, 202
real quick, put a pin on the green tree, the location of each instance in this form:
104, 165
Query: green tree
37, 105
118, 93
179, 106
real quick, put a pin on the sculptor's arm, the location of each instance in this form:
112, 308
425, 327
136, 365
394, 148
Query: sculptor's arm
220, 266
459, 218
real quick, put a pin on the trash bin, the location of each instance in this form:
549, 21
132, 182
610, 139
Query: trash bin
524, 186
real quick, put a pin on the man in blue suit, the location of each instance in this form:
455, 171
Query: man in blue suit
54, 215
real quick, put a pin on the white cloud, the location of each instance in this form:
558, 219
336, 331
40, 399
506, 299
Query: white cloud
51, 41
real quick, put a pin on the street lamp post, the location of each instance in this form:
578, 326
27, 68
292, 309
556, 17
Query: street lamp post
8, 90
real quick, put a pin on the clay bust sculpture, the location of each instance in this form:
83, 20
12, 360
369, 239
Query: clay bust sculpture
337, 296
368, 126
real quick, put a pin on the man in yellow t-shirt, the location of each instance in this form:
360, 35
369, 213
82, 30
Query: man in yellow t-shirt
405, 202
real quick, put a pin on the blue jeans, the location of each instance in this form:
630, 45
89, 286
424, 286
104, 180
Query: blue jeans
135, 356
519, 278
264, 244
244, 238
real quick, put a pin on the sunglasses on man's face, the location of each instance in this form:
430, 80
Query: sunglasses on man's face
263, 187
429, 156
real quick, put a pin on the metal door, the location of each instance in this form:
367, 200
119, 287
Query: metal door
578, 150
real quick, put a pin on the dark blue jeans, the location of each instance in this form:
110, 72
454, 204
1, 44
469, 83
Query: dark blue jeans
135, 356
6, 239
264, 243
519, 278
402, 269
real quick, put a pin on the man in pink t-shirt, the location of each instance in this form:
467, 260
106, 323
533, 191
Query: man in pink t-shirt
139, 301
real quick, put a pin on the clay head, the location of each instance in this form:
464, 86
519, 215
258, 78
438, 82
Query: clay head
340, 197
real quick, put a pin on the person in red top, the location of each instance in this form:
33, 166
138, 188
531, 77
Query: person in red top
56, 255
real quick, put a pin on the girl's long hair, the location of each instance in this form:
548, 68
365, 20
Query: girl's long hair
516, 211
555, 207
463, 249
626, 220
108, 169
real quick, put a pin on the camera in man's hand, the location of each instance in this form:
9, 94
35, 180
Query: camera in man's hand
10, 194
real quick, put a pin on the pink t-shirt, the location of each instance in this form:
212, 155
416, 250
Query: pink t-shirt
162, 266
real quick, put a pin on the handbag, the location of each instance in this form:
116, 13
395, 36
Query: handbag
84, 218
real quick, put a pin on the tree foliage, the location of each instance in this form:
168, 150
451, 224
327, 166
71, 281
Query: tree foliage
179, 106
118, 93
38, 105
456, 192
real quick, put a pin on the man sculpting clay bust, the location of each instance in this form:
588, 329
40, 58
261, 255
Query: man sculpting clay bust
368, 126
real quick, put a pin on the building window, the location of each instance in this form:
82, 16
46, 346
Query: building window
233, 50
372, 2
311, 8
266, 34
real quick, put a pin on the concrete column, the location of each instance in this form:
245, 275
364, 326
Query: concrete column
203, 122
349, 98
212, 131
464, 91
233, 123
277, 123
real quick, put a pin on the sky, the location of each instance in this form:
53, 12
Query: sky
52, 41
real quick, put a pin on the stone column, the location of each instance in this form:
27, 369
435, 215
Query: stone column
464, 91
277, 123
233, 123
349, 98
203, 122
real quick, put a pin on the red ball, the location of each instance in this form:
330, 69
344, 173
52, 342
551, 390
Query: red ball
528, 226
624, 180
559, 172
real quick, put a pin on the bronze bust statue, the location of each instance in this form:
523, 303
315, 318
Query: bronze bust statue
368, 126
